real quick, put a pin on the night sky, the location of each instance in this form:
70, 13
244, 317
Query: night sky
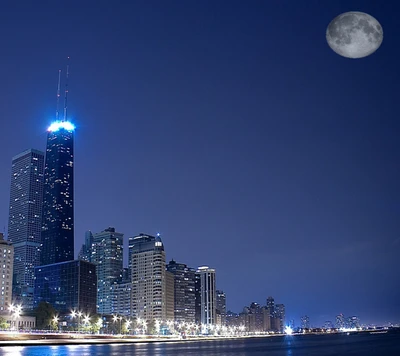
233, 130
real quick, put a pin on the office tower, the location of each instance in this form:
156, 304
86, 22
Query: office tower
256, 317
340, 321
208, 297
169, 295
184, 291
221, 305
70, 285
305, 322
25, 222
280, 317
58, 195
121, 299
107, 255
197, 299
85, 252
353, 322
271, 305
7, 262
148, 277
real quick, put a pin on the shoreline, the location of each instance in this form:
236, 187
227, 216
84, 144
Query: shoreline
59, 339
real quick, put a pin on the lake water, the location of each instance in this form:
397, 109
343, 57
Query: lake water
363, 344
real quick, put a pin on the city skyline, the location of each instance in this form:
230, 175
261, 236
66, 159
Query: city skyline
223, 137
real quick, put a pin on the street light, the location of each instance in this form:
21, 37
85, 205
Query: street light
55, 321
115, 319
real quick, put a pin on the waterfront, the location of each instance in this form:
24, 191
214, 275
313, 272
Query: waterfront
299, 345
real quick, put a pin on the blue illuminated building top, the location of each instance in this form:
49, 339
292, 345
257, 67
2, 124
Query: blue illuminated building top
57, 125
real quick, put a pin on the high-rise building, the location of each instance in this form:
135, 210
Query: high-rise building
340, 321
58, 195
25, 222
122, 299
6, 261
148, 277
197, 299
107, 255
169, 295
208, 296
184, 291
280, 317
70, 285
85, 252
305, 322
221, 305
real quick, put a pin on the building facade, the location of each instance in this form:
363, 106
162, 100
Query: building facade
221, 306
85, 253
208, 297
6, 277
25, 222
70, 285
58, 195
122, 299
184, 291
107, 255
169, 295
148, 277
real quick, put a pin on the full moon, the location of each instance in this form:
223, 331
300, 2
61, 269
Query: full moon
354, 34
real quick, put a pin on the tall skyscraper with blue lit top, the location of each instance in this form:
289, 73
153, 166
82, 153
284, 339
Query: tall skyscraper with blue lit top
58, 195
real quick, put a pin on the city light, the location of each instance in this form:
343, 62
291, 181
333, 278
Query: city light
288, 330
58, 125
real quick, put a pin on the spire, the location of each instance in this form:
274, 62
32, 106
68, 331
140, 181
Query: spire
66, 92
58, 95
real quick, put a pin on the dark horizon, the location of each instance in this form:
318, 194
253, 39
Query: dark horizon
233, 131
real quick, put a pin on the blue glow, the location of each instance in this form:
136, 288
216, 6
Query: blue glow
58, 125
288, 330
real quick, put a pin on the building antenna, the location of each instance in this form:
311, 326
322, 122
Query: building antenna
66, 92
58, 95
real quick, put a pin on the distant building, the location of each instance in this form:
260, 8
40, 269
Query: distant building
197, 299
184, 291
208, 296
232, 319
25, 222
147, 259
255, 318
280, 317
305, 322
85, 253
6, 263
57, 234
121, 299
353, 322
169, 295
340, 321
221, 305
107, 255
69, 285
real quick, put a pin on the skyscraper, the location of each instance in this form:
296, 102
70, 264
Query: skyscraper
148, 277
280, 316
184, 291
221, 305
58, 195
85, 253
107, 255
25, 221
6, 260
208, 297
